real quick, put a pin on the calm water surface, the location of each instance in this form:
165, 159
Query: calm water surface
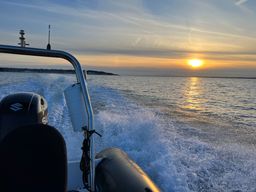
218, 100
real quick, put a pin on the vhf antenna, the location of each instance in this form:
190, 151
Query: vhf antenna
22, 39
49, 36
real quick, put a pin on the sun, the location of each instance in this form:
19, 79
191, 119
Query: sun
195, 63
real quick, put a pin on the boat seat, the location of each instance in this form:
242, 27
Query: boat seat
33, 158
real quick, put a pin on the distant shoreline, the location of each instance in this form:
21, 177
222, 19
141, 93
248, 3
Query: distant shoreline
58, 71
94, 72
196, 76
212, 77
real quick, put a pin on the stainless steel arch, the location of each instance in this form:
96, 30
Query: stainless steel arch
80, 79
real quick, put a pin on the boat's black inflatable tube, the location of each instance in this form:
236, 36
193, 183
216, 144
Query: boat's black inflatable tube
117, 172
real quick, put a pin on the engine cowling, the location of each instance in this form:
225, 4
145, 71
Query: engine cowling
21, 109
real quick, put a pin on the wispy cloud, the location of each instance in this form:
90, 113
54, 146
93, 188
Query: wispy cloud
129, 28
240, 2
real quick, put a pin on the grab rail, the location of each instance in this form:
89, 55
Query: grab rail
80, 79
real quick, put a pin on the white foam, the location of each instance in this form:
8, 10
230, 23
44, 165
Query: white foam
174, 155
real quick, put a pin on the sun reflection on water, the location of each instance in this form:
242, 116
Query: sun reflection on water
193, 93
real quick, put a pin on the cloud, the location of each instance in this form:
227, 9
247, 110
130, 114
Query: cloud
173, 30
240, 2
121, 18
244, 56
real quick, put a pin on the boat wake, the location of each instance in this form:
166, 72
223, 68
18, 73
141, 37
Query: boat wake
173, 159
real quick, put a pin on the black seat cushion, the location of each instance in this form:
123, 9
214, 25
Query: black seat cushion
33, 158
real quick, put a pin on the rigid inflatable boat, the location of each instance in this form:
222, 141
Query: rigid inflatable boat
33, 153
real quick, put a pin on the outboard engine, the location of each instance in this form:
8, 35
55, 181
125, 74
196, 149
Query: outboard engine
22, 109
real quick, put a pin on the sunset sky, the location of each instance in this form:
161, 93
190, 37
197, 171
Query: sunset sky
138, 37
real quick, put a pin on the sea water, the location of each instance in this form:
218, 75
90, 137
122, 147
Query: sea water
187, 133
